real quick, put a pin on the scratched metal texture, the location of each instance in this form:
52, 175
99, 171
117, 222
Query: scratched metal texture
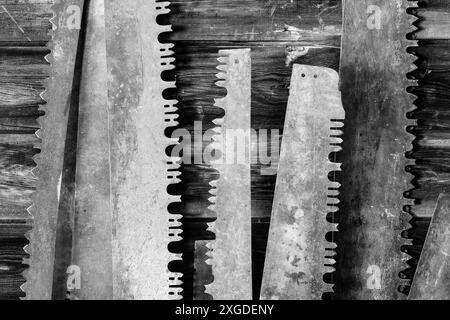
142, 227
374, 67
298, 253
50, 161
92, 251
230, 256
433, 270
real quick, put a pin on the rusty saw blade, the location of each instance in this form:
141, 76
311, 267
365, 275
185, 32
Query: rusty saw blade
230, 255
60, 97
91, 258
373, 76
140, 169
432, 277
298, 255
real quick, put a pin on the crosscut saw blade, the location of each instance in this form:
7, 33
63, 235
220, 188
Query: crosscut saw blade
298, 254
91, 252
230, 255
66, 28
140, 169
433, 270
373, 71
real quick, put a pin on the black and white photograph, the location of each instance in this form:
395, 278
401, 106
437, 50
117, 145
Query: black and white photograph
243, 151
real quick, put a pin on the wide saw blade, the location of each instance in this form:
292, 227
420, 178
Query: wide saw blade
66, 24
373, 71
140, 169
298, 254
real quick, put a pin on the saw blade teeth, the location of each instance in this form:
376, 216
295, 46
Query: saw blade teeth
333, 192
221, 83
167, 64
329, 262
218, 122
223, 59
410, 57
221, 75
221, 67
38, 158
170, 105
213, 183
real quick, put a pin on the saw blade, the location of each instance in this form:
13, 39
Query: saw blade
140, 169
65, 38
373, 71
433, 270
91, 252
230, 255
297, 256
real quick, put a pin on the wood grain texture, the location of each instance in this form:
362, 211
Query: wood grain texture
25, 22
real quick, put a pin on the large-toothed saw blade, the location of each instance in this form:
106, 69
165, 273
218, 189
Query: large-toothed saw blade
91, 251
432, 278
140, 169
66, 27
373, 71
297, 255
231, 250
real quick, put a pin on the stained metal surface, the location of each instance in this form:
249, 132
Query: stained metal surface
92, 251
373, 72
231, 250
432, 278
50, 161
140, 170
297, 251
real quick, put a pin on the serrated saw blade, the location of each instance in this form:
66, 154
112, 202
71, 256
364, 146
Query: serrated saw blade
373, 80
230, 255
66, 29
140, 169
297, 256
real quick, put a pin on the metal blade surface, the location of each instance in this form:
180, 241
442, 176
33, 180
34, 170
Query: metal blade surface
231, 250
296, 256
140, 169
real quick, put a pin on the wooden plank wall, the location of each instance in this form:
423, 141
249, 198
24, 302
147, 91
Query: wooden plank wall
23, 72
306, 31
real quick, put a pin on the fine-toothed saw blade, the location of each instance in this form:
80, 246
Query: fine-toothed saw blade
91, 252
432, 277
373, 81
298, 255
140, 169
65, 39
231, 250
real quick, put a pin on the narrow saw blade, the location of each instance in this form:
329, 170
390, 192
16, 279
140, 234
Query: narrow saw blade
230, 255
296, 256
91, 251
140, 169
65, 37
433, 270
